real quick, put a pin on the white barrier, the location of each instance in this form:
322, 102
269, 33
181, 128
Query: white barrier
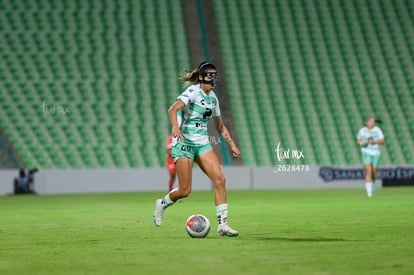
155, 179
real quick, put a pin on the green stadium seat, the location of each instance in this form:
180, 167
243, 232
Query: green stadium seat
328, 58
303, 67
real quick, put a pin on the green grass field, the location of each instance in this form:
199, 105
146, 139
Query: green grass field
281, 232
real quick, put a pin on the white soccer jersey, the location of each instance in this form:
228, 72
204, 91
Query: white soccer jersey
199, 108
365, 134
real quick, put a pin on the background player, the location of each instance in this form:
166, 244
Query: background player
369, 138
200, 104
170, 164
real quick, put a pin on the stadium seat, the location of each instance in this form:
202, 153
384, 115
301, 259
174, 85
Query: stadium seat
77, 55
350, 73
312, 71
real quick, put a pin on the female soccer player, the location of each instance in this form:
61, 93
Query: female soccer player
369, 138
191, 143
170, 163
169, 160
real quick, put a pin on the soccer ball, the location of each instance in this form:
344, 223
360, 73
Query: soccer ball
197, 226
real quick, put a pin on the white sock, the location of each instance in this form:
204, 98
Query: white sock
369, 186
222, 212
166, 201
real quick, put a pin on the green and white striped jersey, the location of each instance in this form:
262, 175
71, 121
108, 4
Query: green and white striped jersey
365, 134
199, 108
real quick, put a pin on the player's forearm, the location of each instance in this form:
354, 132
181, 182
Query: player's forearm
226, 135
172, 115
380, 141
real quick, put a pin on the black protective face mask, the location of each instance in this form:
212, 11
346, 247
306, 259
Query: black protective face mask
213, 75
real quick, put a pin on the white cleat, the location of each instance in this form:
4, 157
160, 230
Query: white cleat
225, 230
158, 213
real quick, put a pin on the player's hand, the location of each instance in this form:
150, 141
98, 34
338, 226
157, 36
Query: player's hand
176, 132
363, 143
372, 141
235, 150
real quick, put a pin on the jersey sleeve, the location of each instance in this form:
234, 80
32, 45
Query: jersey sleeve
188, 95
380, 134
217, 111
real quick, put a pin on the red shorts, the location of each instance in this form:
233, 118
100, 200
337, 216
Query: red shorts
170, 165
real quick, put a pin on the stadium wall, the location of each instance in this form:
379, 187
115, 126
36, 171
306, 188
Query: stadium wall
238, 177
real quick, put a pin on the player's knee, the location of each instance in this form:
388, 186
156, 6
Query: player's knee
185, 192
220, 180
